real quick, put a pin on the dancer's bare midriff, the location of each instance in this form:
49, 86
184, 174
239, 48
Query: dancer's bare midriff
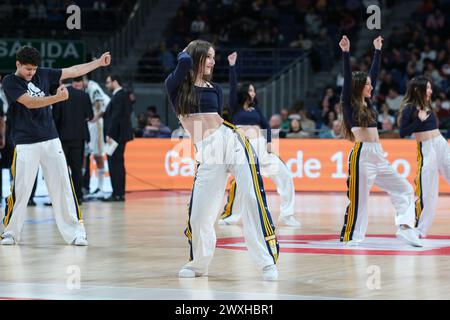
426, 135
366, 134
201, 125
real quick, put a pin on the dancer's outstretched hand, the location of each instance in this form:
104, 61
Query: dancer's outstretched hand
344, 44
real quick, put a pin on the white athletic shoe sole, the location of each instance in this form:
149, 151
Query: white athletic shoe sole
81, 242
8, 241
188, 273
270, 273
409, 236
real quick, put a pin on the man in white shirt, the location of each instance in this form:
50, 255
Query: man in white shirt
100, 101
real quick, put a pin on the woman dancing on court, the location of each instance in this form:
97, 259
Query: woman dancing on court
433, 152
367, 163
220, 149
247, 116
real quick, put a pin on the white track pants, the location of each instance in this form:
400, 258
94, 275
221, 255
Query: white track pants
272, 167
27, 157
368, 166
433, 158
223, 152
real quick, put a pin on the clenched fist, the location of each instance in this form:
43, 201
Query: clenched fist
62, 93
105, 59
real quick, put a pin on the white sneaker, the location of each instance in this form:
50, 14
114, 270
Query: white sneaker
80, 241
270, 273
409, 236
289, 221
189, 273
8, 241
418, 233
229, 221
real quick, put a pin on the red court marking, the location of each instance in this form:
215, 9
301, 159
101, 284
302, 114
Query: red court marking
225, 243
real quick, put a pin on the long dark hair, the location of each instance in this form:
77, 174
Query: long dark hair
242, 96
188, 100
416, 95
361, 113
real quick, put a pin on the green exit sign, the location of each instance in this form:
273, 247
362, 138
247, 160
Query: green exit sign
54, 53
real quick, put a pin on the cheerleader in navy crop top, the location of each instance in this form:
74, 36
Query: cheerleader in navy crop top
246, 114
433, 152
367, 164
223, 151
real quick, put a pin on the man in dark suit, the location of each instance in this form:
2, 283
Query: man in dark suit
71, 117
117, 127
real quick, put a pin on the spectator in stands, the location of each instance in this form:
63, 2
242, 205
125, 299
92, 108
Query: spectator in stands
308, 125
285, 122
328, 119
329, 100
155, 129
435, 21
387, 82
99, 5
384, 114
295, 130
37, 11
301, 42
275, 126
198, 27
334, 133
441, 106
141, 121
394, 99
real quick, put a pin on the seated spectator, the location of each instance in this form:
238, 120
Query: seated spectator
155, 129
328, 119
301, 42
394, 99
441, 106
334, 133
285, 122
387, 130
141, 122
295, 130
275, 126
308, 125
385, 114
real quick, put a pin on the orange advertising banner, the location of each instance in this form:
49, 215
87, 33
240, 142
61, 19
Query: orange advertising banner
316, 164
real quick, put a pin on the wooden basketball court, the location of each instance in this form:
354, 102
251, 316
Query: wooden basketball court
137, 248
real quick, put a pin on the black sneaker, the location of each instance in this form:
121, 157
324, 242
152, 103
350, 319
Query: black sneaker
31, 203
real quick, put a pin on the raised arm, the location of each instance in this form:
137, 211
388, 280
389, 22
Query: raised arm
376, 62
347, 87
233, 82
176, 78
82, 69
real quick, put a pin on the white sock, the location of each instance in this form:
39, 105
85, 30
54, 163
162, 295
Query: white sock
101, 173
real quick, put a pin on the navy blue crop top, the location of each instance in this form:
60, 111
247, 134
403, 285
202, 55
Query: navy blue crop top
347, 89
210, 99
239, 116
410, 122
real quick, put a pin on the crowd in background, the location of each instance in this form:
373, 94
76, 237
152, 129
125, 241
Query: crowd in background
44, 18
